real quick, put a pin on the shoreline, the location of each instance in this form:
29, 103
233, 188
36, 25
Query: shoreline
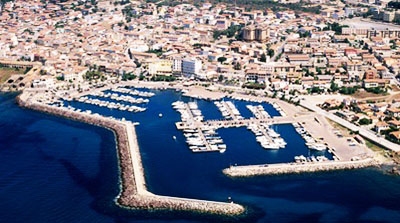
134, 194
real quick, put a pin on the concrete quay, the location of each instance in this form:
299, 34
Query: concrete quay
295, 168
134, 194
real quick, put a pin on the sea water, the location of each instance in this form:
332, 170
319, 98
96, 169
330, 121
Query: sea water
57, 170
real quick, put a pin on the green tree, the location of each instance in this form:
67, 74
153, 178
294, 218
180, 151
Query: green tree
263, 58
334, 87
237, 66
270, 52
221, 59
364, 121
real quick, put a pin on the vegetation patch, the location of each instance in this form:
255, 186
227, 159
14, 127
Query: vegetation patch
254, 86
6, 73
163, 78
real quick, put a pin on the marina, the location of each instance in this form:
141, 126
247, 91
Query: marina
114, 99
200, 135
134, 193
199, 139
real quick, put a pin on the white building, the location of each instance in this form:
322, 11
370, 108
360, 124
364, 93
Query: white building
177, 65
191, 66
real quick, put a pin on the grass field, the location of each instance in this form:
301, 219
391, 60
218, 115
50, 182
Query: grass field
6, 73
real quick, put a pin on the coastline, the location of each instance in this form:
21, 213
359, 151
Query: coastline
134, 194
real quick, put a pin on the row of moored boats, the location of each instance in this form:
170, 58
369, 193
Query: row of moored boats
266, 136
202, 139
117, 97
110, 104
228, 110
303, 159
133, 92
310, 141
258, 111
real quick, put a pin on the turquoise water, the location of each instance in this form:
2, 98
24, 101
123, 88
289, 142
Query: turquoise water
57, 170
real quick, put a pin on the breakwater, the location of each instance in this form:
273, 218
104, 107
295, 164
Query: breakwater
133, 193
290, 168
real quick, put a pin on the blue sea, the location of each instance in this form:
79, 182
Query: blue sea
58, 170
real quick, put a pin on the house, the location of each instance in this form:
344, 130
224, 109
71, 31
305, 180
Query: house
254, 75
371, 83
394, 124
331, 103
347, 115
379, 126
298, 58
393, 112
380, 107
395, 135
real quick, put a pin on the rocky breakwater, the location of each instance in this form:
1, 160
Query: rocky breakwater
290, 168
133, 193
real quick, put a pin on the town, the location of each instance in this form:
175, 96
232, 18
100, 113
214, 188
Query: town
330, 70
78, 45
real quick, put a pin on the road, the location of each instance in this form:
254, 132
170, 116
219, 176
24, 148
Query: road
278, 51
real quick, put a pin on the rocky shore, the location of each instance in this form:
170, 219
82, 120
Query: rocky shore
133, 189
290, 168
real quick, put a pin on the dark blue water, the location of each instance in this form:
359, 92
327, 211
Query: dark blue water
56, 170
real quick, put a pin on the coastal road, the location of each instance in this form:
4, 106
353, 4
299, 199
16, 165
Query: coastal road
363, 132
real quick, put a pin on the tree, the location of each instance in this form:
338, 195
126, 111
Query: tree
237, 66
263, 58
334, 87
364, 121
270, 52
221, 59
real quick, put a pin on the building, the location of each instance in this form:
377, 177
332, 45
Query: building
371, 83
261, 34
160, 67
393, 112
298, 58
249, 33
379, 126
254, 75
388, 16
177, 65
191, 66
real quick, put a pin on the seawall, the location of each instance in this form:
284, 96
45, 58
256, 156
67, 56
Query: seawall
293, 168
133, 193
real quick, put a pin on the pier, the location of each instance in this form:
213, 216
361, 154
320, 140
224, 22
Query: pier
295, 168
134, 193
237, 123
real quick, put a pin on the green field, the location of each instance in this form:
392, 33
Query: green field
6, 73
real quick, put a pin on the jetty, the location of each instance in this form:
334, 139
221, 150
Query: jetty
295, 168
134, 193
236, 123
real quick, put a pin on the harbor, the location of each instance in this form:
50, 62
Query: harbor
197, 130
134, 192
201, 135
325, 150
